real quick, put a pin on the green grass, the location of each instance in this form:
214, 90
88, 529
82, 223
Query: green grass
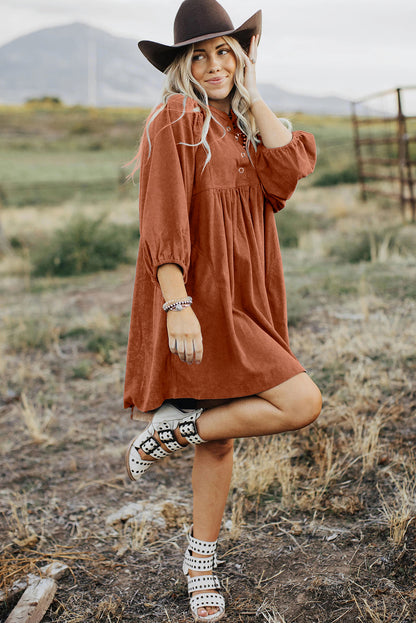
321, 281
291, 223
51, 177
50, 154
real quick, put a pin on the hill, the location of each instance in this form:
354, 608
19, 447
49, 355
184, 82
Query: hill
80, 65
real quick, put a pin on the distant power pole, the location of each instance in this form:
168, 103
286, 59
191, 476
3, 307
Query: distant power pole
92, 68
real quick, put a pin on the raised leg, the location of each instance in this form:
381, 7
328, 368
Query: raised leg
288, 406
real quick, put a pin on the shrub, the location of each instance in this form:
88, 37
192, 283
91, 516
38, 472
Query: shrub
83, 369
288, 223
348, 175
353, 248
83, 246
373, 245
291, 224
27, 333
46, 100
107, 345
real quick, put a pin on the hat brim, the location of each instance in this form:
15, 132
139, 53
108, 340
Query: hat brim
161, 56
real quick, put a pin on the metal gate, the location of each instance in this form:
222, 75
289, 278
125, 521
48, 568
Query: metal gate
385, 146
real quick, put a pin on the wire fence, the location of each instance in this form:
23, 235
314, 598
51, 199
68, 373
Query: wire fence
385, 146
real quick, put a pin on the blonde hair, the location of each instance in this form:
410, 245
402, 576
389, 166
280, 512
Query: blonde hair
179, 79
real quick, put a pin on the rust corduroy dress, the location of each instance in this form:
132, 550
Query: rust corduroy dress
218, 225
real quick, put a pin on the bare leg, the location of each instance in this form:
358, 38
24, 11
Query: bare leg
289, 406
211, 479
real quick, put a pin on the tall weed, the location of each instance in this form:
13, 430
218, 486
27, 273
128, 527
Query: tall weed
372, 245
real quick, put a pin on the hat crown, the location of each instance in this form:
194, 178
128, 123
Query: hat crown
196, 18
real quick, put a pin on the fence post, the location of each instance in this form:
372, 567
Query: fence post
401, 146
357, 151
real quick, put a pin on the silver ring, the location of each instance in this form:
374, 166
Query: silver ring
253, 60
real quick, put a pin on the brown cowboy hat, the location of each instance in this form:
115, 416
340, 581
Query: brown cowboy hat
197, 20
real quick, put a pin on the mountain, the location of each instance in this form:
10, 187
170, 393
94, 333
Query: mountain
85, 65
278, 99
80, 65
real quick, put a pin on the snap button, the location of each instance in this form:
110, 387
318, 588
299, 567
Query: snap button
241, 170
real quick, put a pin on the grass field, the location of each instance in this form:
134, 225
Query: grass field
55, 154
320, 524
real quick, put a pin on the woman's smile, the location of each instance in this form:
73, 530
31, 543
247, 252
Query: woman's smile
215, 80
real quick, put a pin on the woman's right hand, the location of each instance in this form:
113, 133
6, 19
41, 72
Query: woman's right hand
185, 337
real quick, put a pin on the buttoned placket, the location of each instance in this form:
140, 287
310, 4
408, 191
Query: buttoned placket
243, 154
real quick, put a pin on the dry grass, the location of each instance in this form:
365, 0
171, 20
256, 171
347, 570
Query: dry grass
320, 522
236, 524
261, 462
20, 531
380, 612
365, 444
110, 609
399, 510
27, 221
36, 423
133, 535
269, 613
25, 332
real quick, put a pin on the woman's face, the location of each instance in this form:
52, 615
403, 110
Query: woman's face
213, 67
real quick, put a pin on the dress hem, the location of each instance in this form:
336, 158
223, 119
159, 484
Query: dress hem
149, 409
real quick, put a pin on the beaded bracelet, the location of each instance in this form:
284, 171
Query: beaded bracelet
177, 305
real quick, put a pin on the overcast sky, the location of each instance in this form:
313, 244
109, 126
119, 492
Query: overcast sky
349, 48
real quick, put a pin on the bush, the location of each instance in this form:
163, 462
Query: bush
107, 345
291, 224
84, 246
47, 100
348, 175
373, 245
26, 333
352, 248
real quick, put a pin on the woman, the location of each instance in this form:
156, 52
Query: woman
208, 354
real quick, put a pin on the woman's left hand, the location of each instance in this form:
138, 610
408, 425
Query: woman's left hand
250, 80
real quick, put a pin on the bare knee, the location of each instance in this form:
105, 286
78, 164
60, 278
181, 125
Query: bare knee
305, 410
297, 400
218, 449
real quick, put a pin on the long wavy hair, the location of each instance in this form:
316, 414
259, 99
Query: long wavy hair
179, 79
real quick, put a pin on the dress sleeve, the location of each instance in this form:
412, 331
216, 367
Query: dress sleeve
280, 168
166, 183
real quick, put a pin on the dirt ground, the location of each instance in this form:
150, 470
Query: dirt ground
330, 539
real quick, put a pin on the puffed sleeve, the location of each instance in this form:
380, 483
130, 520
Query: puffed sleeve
280, 168
166, 183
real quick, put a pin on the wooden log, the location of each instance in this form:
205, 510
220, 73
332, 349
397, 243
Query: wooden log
53, 570
18, 586
34, 602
